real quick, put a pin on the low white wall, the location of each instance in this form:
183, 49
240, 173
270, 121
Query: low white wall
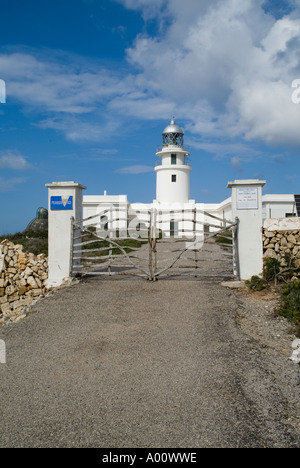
282, 224
278, 206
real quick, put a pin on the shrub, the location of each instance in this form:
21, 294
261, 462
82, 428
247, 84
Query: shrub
271, 269
290, 302
32, 241
256, 283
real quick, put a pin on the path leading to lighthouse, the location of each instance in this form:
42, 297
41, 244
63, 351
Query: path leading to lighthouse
175, 259
130, 363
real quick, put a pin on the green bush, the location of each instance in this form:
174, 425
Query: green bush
35, 242
290, 302
256, 283
271, 269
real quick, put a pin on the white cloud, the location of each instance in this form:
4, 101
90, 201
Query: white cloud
79, 130
6, 185
56, 86
69, 92
236, 163
145, 108
223, 148
267, 113
280, 34
138, 169
149, 8
224, 67
13, 160
227, 66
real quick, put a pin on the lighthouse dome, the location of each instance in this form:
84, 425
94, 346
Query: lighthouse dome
173, 128
173, 135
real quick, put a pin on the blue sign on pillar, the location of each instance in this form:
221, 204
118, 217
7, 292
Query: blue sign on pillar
61, 203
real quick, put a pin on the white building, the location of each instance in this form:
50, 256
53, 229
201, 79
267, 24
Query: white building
171, 214
172, 196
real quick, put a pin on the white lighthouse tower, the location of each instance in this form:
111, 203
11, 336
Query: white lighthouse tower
172, 168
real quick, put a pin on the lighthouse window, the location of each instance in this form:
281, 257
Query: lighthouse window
173, 159
173, 177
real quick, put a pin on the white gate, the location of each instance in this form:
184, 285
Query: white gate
156, 244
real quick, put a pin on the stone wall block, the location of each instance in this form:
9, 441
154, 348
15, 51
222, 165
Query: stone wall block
22, 280
279, 244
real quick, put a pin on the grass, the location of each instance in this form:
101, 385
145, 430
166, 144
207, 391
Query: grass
125, 244
111, 248
224, 240
35, 242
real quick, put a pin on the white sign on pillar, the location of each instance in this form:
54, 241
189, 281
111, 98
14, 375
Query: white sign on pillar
64, 202
247, 198
247, 206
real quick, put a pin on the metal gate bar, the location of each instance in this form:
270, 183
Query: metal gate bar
108, 252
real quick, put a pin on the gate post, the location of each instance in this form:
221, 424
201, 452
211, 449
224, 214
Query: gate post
247, 206
64, 203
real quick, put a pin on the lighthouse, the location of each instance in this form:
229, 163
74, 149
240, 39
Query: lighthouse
172, 168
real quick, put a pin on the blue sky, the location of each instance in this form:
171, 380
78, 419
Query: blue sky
91, 84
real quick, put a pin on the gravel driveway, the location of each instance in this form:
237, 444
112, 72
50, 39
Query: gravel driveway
130, 363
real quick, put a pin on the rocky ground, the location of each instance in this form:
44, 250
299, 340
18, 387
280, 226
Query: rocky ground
124, 362
130, 363
274, 335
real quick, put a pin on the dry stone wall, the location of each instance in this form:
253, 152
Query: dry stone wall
22, 280
281, 240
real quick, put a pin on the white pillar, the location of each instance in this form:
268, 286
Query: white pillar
65, 202
247, 206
